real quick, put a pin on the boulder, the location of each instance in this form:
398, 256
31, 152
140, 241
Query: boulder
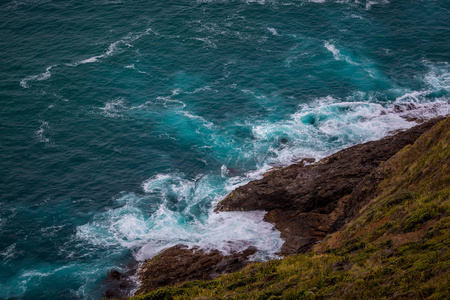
181, 263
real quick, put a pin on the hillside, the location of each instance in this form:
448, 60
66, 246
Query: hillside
395, 247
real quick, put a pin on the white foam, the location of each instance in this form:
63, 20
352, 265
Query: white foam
224, 171
411, 96
43, 274
110, 51
180, 218
255, 1
309, 131
426, 103
39, 77
438, 78
417, 110
165, 183
114, 47
113, 109
9, 253
202, 120
133, 67
337, 53
51, 230
16, 287
176, 209
273, 31
90, 60
371, 3
356, 16
226, 231
168, 102
117, 108
40, 134
208, 41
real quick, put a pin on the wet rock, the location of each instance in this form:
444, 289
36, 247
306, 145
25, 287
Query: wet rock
179, 263
404, 107
306, 202
119, 285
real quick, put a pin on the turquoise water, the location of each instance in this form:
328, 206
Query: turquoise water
124, 122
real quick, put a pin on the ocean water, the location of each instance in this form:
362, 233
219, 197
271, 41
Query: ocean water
124, 122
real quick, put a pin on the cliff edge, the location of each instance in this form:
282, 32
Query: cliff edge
377, 225
308, 202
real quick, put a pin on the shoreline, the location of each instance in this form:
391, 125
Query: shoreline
325, 218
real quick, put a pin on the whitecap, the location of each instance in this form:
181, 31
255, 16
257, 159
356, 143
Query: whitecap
337, 53
202, 120
208, 41
39, 77
356, 16
224, 171
113, 109
40, 134
9, 253
114, 47
371, 3
167, 102
91, 59
255, 1
438, 78
35, 273
411, 96
273, 31
51, 230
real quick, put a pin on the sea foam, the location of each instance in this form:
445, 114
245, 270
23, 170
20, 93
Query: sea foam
115, 47
180, 212
337, 53
39, 77
178, 209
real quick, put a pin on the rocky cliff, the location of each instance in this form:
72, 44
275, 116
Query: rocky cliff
374, 218
308, 202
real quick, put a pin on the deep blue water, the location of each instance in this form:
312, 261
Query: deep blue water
123, 122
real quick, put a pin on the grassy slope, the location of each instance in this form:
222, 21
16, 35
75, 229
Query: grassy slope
398, 248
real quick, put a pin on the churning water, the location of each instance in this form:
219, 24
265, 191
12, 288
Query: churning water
124, 122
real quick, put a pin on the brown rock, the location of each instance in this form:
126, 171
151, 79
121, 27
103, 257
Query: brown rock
179, 264
307, 202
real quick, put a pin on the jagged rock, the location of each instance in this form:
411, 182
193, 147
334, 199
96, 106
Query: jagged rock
179, 263
307, 202
119, 285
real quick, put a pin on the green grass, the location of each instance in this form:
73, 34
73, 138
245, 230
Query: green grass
398, 247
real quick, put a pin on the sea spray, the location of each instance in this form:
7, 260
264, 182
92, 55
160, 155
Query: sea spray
125, 123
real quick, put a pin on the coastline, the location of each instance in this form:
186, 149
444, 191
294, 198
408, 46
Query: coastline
304, 217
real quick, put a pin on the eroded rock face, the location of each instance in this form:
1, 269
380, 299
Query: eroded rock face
180, 264
307, 202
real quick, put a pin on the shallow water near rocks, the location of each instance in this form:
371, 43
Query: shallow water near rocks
123, 123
